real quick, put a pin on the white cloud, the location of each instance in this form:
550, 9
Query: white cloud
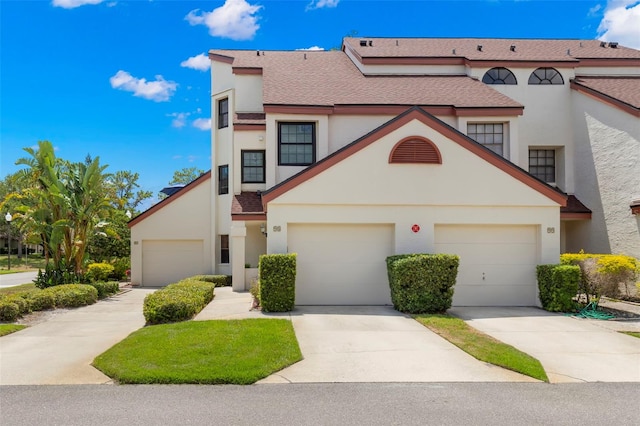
319, 4
202, 123
199, 62
179, 119
176, 157
235, 19
313, 48
594, 10
158, 90
621, 23
71, 4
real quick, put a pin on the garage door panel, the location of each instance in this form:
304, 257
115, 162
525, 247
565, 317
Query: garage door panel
341, 264
495, 254
497, 263
167, 261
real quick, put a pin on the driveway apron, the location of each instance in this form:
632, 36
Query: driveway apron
378, 344
570, 349
60, 350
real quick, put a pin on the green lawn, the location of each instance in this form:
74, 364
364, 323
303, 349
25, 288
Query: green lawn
202, 352
10, 328
23, 264
18, 288
632, 333
483, 347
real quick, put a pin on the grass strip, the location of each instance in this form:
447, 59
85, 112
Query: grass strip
18, 288
10, 328
632, 333
481, 346
202, 352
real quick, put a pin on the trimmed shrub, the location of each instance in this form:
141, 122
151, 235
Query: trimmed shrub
9, 311
24, 307
180, 301
558, 285
218, 280
40, 300
99, 271
106, 289
277, 282
73, 295
422, 283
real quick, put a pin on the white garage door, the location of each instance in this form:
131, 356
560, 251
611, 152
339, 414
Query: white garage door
341, 264
167, 261
497, 263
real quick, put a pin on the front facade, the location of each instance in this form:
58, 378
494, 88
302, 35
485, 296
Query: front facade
505, 152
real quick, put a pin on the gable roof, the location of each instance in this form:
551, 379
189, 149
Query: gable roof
621, 92
415, 113
170, 199
330, 79
463, 50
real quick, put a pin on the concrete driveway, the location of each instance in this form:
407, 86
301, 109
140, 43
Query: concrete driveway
61, 349
570, 349
363, 344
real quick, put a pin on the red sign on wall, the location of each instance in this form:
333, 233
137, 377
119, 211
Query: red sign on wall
415, 228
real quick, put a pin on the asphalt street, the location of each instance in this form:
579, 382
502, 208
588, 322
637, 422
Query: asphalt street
10, 280
323, 404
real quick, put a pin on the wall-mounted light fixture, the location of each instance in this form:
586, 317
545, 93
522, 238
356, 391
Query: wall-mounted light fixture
635, 207
263, 229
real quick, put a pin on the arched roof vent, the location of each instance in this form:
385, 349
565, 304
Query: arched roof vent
415, 150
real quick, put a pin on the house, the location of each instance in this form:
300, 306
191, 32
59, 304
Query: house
505, 152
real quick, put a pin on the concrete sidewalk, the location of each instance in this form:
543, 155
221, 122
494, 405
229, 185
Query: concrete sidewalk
363, 344
570, 349
60, 350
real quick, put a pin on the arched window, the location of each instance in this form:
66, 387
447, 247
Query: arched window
545, 76
415, 150
499, 76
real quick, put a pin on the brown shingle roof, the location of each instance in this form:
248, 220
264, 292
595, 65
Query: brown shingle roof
574, 206
249, 118
329, 78
623, 89
492, 49
247, 203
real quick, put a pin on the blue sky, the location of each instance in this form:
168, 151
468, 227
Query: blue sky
128, 80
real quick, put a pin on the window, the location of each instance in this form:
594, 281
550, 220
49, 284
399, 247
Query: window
224, 249
542, 164
545, 76
253, 167
296, 144
499, 76
490, 135
223, 113
223, 179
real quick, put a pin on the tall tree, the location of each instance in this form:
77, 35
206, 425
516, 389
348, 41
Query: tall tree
122, 186
185, 176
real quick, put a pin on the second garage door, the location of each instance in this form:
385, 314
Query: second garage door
497, 263
167, 261
341, 264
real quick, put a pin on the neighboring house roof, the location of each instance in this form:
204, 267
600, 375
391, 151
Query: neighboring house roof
574, 209
621, 92
390, 50
247, 206
416, 113
330, 79
176, 195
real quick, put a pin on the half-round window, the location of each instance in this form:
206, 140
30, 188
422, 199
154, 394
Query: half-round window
546, 76
415, 150
499, 76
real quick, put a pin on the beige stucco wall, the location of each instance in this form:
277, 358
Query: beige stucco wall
546, 121
408, 194
248, 93
607, 169
186, 218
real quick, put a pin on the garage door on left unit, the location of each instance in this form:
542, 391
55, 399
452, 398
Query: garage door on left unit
167, 261
341, 264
